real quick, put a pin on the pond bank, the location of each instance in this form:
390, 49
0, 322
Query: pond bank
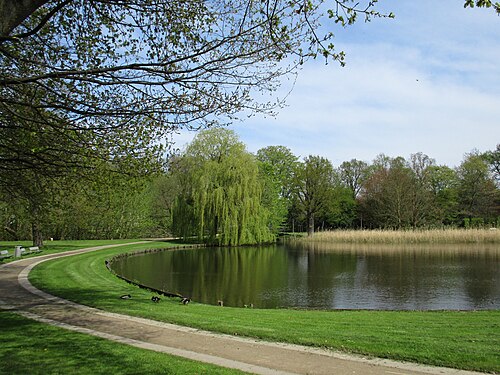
134, 331
321, 275
454, 339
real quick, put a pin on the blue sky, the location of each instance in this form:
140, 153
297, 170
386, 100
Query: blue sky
427, 81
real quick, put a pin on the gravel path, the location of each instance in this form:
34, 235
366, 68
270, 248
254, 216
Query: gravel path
254, 356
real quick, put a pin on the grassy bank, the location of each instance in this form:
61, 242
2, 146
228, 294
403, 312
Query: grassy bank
467, 340
51, 247
29, 347
431, 236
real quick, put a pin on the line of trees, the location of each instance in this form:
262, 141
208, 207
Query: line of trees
217, 192
396, 193
96, 88
90, 91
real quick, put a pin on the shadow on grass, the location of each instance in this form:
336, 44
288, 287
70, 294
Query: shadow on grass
30, 347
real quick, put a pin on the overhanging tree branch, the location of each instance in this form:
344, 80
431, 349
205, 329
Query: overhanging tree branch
123, 75
40, 25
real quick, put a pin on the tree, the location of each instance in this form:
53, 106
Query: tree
353, 174
420, 164
30, 197
112, 78
112, 205
386, 200
313, 188
277, 164
341, 211
493, 160
101, 82
276, 204
483, 4
443, 185
282, 163
165, 190
477, 192
397, 194
221, 195
423, 201
118, 206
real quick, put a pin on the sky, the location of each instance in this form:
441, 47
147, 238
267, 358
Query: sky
427, 81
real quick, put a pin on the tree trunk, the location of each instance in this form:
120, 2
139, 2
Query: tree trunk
36, 234
36, 231
310, 225
14, 12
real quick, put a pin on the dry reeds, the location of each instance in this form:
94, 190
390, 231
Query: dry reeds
438, 236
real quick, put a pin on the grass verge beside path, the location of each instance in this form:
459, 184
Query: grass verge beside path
30, 347
465, 340
52, 247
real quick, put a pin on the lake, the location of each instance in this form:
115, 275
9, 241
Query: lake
327, 276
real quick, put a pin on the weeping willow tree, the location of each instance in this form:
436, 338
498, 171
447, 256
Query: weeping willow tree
220, 195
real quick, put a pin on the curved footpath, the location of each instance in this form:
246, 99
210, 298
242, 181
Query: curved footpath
254, 356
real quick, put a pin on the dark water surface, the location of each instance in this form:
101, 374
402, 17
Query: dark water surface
326, 276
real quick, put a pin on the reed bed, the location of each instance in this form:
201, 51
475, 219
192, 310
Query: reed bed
428, 236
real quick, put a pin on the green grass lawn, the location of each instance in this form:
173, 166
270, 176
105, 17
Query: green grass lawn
51, 247
466, 340
29, 347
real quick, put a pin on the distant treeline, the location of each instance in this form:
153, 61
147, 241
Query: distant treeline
217, 192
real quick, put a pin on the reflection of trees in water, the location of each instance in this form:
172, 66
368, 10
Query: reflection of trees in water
325, 276
237, 276
417, 277
482, 281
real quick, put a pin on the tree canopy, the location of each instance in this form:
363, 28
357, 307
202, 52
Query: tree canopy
313, 188
216, 190
100, 85
220, 194
112, 80
483, 4
107, 80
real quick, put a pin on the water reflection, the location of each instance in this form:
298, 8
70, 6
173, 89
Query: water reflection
327, 276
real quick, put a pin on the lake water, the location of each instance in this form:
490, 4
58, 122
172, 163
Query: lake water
325, 276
